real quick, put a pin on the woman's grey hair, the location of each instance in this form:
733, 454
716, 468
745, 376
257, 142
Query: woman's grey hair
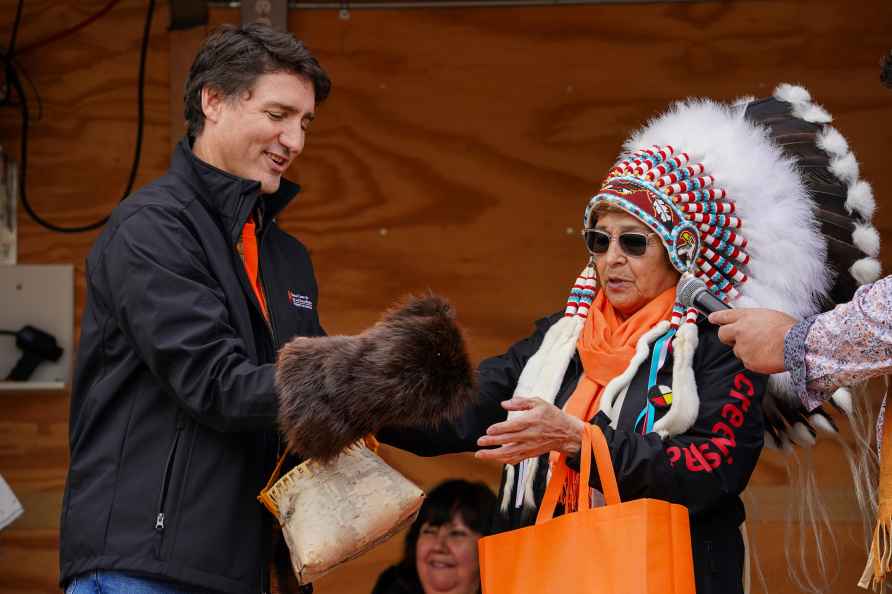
233, 58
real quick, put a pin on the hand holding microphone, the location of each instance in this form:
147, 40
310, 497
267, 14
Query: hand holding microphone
756, 335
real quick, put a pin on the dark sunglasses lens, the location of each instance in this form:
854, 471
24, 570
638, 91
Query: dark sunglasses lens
598, 242
634, 244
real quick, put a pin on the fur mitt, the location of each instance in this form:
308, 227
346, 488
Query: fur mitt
409, 369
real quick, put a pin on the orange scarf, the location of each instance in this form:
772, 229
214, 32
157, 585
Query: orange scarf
606, 346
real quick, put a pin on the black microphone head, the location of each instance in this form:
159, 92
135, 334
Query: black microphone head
689, 286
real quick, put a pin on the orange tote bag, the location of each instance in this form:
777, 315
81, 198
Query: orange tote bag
638, 547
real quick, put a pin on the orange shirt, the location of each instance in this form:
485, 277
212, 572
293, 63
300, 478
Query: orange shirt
251, 259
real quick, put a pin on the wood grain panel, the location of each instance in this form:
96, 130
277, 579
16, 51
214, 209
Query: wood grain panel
455, 153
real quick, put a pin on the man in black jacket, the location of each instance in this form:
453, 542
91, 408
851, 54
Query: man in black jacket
191, 290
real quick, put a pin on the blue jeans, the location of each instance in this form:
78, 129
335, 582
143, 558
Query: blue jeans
115, 582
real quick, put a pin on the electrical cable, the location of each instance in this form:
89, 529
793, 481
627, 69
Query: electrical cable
33, 87
17, 84
15, 27
66, 32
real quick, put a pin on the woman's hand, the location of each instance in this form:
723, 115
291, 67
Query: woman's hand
539, 428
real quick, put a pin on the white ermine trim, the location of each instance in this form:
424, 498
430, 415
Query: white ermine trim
610, 404
541, 377
843, 399
801, 436
528, 470
832, 142
506, 491
685, 399
821, 424
867, 239
860, 199
845, 168
866, 270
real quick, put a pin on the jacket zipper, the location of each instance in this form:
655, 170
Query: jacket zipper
168, 469
264, 573
272, 322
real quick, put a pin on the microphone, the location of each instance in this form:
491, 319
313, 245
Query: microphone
692, 292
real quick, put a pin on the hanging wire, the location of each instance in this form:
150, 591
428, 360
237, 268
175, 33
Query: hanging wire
16, 84
66, 32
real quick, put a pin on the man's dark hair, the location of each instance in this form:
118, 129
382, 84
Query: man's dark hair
232, 58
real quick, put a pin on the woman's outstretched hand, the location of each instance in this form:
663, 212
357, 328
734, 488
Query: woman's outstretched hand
539, 428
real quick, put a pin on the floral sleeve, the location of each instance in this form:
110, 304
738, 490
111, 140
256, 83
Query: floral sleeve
844, 346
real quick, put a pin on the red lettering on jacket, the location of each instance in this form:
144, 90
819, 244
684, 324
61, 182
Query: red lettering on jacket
744, 401
696, 461
718, 449
723, 444
674, 453
741, 380
733, 415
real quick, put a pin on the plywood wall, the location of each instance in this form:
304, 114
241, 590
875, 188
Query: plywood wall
456, 153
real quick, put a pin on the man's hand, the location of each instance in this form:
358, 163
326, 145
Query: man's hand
757, 336
540, 427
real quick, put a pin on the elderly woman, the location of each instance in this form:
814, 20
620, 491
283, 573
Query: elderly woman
701, 190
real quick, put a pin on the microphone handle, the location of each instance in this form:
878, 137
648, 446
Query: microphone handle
707, 302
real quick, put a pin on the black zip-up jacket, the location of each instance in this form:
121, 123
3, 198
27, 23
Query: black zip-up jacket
704, 469
173, 409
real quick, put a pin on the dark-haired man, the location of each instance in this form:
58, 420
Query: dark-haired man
191, 290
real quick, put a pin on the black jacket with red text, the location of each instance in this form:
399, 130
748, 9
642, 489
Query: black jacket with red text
705, 469
173, 407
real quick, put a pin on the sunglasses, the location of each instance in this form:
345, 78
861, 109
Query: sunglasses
632, 243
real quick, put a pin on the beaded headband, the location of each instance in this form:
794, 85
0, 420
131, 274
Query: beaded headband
693, 218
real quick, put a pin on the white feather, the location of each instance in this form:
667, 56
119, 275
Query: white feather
812, 113
780, 385
788, 268
860, 199
866, 270
867, 239
843, 399
801, 436
792, 93
845, 168
821, 424
832, 142
786, 445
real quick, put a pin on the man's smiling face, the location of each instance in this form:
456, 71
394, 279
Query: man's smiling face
256, 136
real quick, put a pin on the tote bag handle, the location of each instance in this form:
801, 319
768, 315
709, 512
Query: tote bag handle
593, 441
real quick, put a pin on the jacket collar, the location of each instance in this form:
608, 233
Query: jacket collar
229, 198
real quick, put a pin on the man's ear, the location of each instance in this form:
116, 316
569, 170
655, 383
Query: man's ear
212, 101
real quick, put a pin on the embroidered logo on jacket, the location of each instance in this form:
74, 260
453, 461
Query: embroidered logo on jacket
298, 300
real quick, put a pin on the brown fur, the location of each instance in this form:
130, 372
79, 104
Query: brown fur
409, 369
